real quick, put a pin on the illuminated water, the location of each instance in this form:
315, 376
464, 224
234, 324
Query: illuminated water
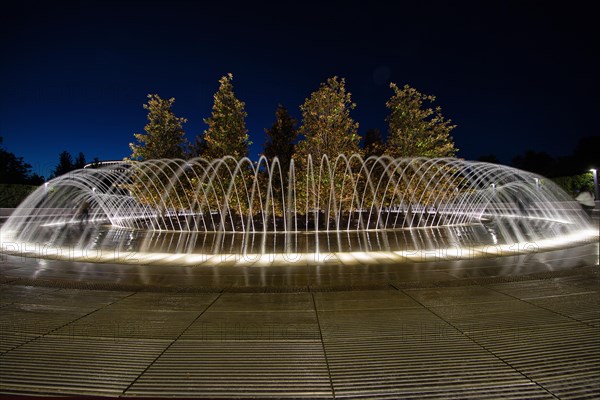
343, 210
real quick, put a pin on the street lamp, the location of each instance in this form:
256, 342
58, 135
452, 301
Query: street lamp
596, 190
596, 210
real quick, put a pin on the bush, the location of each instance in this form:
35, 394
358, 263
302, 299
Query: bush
11, 195
575, 184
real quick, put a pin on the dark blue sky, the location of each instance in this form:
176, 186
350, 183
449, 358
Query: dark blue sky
512, 76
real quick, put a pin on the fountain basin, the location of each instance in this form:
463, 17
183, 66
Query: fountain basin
343, 211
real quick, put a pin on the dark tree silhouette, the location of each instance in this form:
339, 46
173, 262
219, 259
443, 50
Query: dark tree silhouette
16, 171
281, 137
65, 164
373, 143
12, 168
79, 161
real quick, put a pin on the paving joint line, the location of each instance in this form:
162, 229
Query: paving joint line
9, 280
483, 347
68, 323
35, 297
323, 345
123, 393
543, 308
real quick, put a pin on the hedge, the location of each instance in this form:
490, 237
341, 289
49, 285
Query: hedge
11, 195
576, 184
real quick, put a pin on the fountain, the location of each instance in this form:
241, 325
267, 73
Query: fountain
344, 210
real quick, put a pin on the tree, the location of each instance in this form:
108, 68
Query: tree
415, 130
281, 138
280, 143
95, 163
373, 144
35, 179
577, 183
12, 168
328, 129
164, 137
65, 164
80, 161
327, 126
226, 134
584, 157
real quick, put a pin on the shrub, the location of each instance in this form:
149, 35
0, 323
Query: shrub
11, 195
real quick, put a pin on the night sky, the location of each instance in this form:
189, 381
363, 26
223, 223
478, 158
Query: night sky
512, 76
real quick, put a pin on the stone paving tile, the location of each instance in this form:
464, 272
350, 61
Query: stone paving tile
37, 319
18, 294
534, 289
88, 300
565, 359
166, 301
366, 299
411, 353
134, 323
584, 307
263, 302
457, 341
10, 340
59, 365
259, 325
246, 369
381, 323
456, 295
506, 315
586, 282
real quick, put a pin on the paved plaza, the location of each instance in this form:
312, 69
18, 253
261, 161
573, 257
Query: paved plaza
512, 327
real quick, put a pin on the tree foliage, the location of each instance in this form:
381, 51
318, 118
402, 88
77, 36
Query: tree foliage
280, 143
79, 161
11, 195
373, 144
583, 157
65, 164
416, 130
13, 169
576, 184
281, 137
328, 129
226, 134
164, 137
327, 126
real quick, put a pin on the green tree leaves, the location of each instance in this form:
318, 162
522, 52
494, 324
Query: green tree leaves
327, 126
226, 134
414, 129
164, 137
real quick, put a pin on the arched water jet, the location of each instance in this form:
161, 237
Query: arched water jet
218, 208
